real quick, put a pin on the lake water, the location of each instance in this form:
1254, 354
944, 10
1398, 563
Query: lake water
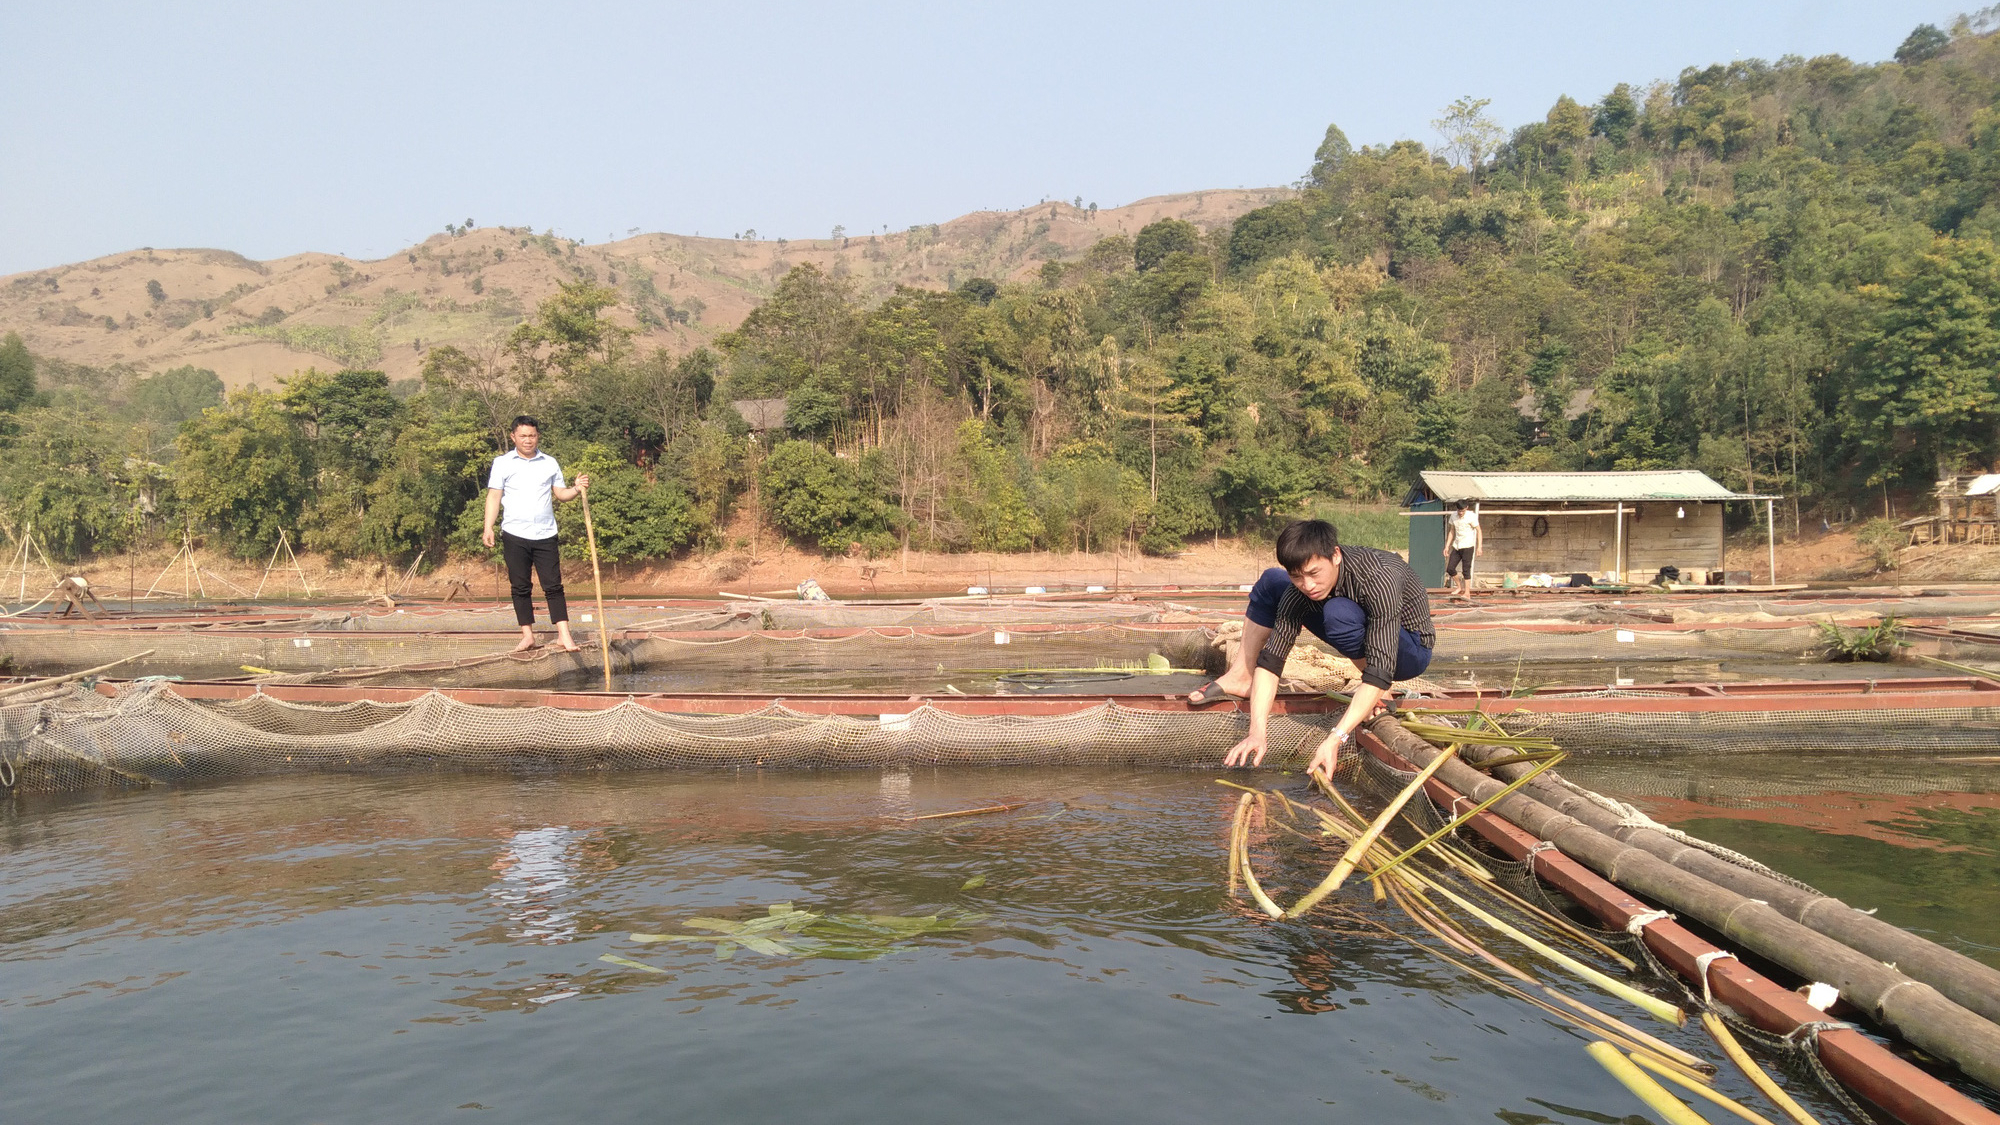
366, 949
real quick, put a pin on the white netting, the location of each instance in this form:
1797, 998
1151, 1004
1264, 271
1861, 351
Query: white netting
147, 733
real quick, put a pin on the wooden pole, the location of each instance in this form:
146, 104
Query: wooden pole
597, 588
1771, 529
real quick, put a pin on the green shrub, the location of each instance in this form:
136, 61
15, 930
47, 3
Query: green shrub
1882, 539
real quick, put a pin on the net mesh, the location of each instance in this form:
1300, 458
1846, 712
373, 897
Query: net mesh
144, 733
482, 660
1883, 731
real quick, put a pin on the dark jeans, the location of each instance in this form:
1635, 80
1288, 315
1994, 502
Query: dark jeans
540, 555
1340, 622
1459, 560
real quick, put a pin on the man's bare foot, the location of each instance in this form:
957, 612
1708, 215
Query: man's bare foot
526, 644
570, 647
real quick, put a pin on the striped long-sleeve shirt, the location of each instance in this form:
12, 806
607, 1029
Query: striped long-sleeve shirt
1385, 588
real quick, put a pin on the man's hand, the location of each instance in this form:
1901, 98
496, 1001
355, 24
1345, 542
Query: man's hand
1327, 756
1250, 751
583, 480
486, 537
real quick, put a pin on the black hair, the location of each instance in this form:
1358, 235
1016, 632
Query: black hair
524, 420
1458, 505
1302, 540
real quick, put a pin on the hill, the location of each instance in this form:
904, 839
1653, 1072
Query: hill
249, 320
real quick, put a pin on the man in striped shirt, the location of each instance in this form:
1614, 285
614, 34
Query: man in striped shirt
1366, 604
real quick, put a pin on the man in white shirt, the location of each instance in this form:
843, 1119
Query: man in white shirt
1461, 543
526, 483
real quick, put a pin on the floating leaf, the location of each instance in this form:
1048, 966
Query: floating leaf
765, 946
913, 925
719, 925
791, 921
666, 937
631, 964
847, 952
780, 908
725, 950
973, 884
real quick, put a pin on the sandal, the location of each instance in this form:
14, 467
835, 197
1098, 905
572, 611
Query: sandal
1210, 692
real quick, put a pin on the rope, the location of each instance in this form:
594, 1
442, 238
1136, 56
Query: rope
1638, 922
1701, 964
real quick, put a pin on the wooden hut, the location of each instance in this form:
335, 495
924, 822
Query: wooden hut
1614, 526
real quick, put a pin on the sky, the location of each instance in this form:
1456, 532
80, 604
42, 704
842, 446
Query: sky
360, 127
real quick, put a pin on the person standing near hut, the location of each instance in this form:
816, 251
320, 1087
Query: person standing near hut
525, 483
1461, 543
1366, 604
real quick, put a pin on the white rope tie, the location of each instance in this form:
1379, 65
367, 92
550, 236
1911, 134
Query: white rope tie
1638, 922
1534, 850
1701, 965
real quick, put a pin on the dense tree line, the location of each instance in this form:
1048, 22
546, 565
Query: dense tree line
1782, 273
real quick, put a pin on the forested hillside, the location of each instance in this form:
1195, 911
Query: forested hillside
1782, 273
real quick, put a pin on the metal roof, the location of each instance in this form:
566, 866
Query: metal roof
1667, 484
1984, 485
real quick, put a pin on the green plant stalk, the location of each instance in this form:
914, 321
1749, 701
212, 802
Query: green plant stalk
1764, 1083
1242, 860
1665, 1012
1656, 1097
1455, 822
1360, 847
1461, 735
1723, 1100
1430, 918
1494, 982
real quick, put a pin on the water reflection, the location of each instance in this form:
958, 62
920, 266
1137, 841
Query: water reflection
535, 876
395, 948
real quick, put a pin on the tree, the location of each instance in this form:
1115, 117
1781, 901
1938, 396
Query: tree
1616, 115
348, 417
1158, 240
170, 398
1927, 370
243, 470
58, 478
156, 292
1923, 44
1469, 133
637, 517
984, 498
1567, 122
568, 336
1330, 157
431, 474
808, 493
17, 373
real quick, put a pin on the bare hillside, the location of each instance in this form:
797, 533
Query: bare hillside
254, 321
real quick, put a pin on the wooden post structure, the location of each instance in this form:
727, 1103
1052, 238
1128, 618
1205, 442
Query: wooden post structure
1771, 532
1618, 550
597, 588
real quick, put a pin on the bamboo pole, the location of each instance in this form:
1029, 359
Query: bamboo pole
597, 588
1920, 1015
52, 681
1753, 1072
1468, 814
1242, 859
1359, 848
1656, 1097
1723, 1100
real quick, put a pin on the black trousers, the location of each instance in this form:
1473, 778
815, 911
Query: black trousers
540, 557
